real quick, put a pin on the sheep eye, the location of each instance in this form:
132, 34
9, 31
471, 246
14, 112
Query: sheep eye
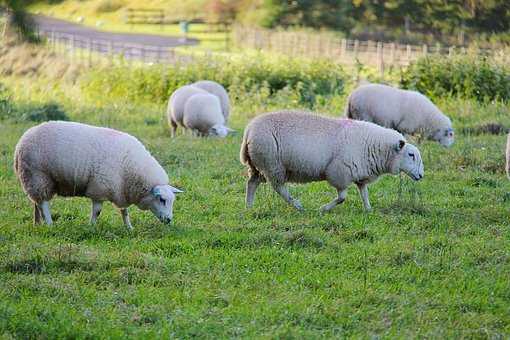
411, 155
162, 200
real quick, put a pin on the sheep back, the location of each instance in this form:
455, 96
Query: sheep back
301, 147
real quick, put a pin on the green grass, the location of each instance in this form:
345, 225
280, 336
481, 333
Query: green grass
431, 260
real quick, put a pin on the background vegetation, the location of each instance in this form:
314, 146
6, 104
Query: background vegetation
410, 21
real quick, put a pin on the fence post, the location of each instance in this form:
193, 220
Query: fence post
343, 51
52, 41
380, 58
89, 48
356, 48
110, 51
425, 50
438, 48
392, 53
73, 49
451, 50
408, 53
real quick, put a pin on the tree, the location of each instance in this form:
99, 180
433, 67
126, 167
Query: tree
18, 21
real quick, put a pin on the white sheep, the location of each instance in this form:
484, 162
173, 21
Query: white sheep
219, 91
73, 159
202, 114
408, 112
175, 111
293, 146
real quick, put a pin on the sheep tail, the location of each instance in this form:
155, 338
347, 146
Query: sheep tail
245, 157
349, 109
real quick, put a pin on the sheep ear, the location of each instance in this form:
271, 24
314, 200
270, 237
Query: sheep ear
175, 190
400, 145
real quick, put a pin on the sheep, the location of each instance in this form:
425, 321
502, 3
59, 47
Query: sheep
176, 104
300, 147
202, 114
73, 159
219, 91
408, 112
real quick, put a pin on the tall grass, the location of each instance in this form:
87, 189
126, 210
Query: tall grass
245, 73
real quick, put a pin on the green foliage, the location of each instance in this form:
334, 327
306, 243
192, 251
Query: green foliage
243, 74
28, 112
440, 18
42, 113
461, 75
19, 20
106, 6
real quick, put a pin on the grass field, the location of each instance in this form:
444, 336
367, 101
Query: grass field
431, 260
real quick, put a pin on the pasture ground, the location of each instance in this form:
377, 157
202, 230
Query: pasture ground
432, 258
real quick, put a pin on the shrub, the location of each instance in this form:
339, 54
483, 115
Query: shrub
106, 6
466, 76
43, 113
155, 83
30, 112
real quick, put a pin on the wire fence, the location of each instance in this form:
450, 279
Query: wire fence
346, 51
291, 43
97, 50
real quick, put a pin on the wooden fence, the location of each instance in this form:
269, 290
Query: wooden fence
347, 51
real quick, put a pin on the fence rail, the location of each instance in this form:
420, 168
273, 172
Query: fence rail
347, 51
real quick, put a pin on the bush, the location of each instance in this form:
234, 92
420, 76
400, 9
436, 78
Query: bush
462, 75
43, 113
107, 6
29, 112
155, 83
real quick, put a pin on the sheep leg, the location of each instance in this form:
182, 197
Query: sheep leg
284, 193
125, 218
96, 210
251, 186
174, 128
37, 214
363, 192
342, 194
45, 209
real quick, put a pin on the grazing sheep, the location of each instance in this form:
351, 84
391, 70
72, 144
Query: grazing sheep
406, 111
219, 91
73, 159
175, 111
293, 146
202, 114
